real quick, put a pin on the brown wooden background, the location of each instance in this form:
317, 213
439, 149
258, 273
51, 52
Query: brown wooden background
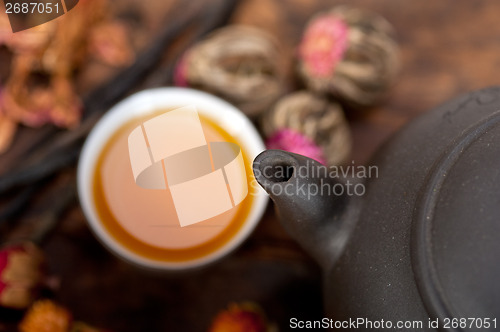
447, 47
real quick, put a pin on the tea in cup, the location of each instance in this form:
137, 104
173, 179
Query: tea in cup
161, 201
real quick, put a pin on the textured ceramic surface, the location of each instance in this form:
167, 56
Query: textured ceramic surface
422, 241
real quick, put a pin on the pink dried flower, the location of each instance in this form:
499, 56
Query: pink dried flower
180, 73
241, 317
292, 141
323, 45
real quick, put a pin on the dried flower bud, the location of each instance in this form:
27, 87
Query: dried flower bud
244, 317
46, 316
307, 124
349, 53
20, 275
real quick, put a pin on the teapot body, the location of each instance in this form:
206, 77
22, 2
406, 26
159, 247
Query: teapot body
423, 246
422, 243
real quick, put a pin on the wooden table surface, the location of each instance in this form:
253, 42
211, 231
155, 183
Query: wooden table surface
447, 47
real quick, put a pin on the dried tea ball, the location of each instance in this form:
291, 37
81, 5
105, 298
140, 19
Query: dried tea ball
306, 124
238, 63
349, 53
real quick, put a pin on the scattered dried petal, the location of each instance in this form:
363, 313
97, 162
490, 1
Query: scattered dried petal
55, 49
46, 316
7, 130
180, 73
323, 45
109, 41
245, 317
35, 106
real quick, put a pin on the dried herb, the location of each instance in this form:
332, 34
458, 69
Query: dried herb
57, 150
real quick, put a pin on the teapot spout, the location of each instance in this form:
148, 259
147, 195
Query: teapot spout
312, 206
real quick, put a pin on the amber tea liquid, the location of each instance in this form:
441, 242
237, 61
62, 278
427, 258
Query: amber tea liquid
145, 221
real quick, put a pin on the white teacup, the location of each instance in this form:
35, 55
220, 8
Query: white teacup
145, 103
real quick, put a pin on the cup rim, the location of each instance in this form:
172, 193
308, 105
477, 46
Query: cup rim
146, 102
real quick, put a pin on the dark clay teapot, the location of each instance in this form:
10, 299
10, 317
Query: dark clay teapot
422, 243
